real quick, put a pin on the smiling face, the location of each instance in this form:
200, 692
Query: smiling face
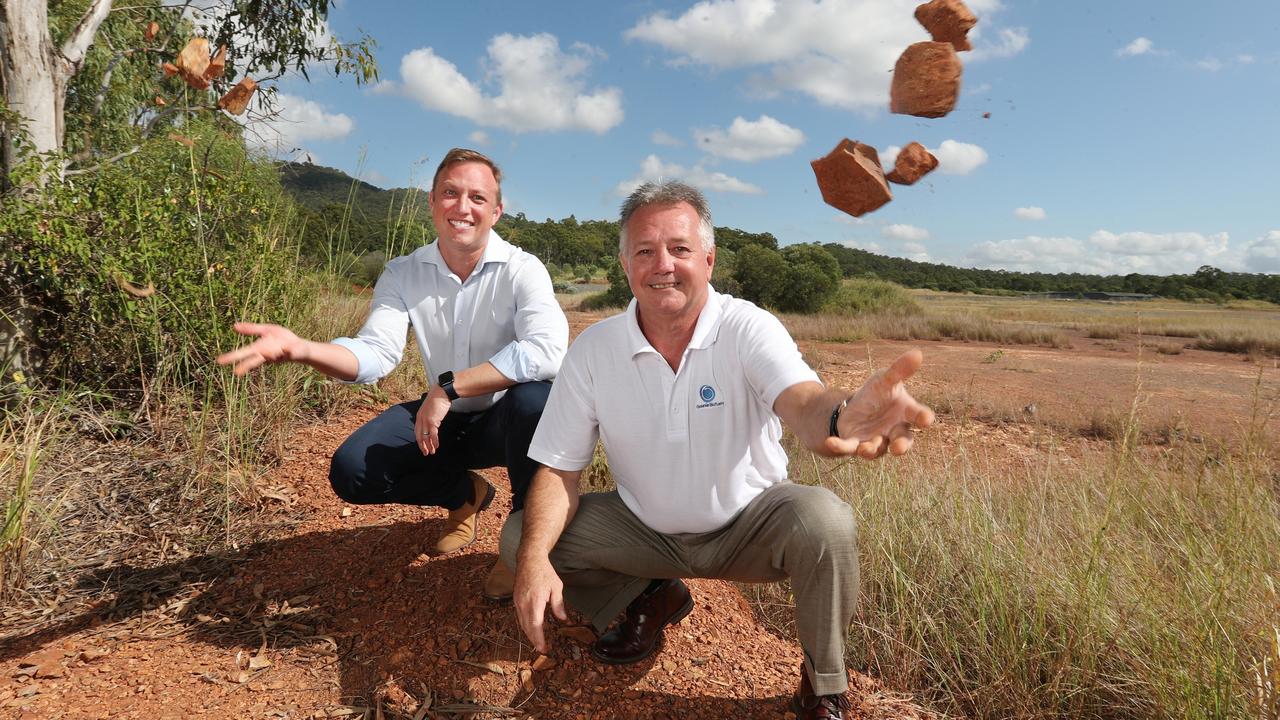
667, 267
464, 206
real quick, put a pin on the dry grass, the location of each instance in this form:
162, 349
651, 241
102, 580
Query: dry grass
965, 328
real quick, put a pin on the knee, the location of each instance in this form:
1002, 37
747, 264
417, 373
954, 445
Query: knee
826, 519
528, 399
345, 471
509, 542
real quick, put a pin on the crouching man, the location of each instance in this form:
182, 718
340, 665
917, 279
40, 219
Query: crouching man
686, 389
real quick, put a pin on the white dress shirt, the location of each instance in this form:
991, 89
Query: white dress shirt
505, 313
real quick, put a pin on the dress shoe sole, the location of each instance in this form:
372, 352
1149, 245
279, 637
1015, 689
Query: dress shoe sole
680, 614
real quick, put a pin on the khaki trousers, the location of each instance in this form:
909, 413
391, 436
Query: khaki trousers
607, 556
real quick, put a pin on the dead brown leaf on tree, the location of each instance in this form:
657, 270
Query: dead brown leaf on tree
217, 65
193, 61
182, 139
237, 98
169, 69
150, 33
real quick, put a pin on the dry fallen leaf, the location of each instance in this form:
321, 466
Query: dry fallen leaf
259, 662
526, 679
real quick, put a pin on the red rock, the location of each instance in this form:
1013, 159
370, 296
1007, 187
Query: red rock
851, 179
947, 21
913, 163
926, 80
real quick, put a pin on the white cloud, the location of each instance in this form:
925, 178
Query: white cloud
749, 140
384, 87
1245, 59
958, 158
1011, 42
906, 233
539, 87
849, 219
839, 52
662, 137
1029, 213
478, 137
889, 156
1139, 46
1107, 253
915, 251
868, 245
297, 121
1212, 64
654, 169
1263, 254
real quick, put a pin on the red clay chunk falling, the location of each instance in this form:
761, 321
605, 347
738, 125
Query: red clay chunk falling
913, 163
947, 21
926, 80
851, 179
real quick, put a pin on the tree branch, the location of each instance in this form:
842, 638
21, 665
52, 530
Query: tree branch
77, 44
119, 156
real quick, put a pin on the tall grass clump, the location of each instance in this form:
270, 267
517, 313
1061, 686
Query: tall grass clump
1102, 588
29, 428
863, 296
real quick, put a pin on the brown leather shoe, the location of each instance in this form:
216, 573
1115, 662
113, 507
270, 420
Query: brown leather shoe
808, 706
460, 528
500, 585
640, 632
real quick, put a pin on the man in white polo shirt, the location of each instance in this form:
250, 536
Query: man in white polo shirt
686, 390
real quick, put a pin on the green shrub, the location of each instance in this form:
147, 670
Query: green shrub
139, 269
867, 297
618, 294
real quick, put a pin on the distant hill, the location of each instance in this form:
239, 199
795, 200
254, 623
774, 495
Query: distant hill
385, 223
354, 217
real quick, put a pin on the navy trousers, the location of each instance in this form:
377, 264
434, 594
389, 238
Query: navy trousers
381, 462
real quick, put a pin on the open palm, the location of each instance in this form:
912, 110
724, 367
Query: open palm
881, 416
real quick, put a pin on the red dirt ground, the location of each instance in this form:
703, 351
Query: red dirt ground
342, 615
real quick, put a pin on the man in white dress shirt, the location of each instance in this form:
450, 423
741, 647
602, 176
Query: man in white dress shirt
490, 331
688, 390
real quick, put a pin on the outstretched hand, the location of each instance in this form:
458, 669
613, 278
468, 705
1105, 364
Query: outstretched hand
882, 416
274, 344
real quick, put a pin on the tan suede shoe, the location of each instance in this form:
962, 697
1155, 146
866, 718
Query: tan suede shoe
460, 528
500, 585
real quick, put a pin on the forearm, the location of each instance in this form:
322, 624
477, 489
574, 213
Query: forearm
806, 409
330, 359
549, 507
481, 379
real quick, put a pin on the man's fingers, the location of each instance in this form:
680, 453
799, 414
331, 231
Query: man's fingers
248, 328
920, 416
904, 366
900, 439
557, 606
871, 448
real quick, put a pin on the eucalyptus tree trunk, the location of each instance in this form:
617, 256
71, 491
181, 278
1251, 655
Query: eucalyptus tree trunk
33, 77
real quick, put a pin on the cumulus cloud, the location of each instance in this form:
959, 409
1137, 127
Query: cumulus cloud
479, 137
539, 88
915, 251
1139, 46
1009, 42
1106, 253
1263, 255
1029, 213
662, 137
1212, 64
1245, 59
654, 169
384, 87
750, 140
958, 158
297, 121
839, 52
906, 233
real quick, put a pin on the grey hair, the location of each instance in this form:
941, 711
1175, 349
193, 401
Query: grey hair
668, 192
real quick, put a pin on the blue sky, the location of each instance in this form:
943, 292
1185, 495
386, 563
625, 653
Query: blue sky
1134, 136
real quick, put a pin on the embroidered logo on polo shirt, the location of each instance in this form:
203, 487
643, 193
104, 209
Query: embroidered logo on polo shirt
708, 396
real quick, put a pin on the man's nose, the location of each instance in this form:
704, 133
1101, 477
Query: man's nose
664, 261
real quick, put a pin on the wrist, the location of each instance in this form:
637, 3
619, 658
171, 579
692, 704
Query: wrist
833, 423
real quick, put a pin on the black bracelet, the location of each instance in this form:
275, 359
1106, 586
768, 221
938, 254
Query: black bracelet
832, 425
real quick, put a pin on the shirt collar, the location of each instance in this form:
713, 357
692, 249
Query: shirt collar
496, 250
704, 332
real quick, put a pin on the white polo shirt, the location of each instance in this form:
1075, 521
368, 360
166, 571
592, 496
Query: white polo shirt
687, 449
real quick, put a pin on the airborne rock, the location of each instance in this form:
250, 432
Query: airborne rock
926, 80
851, 179
947, 21
913, 163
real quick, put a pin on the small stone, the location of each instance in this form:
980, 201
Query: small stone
926, 80
851, 179
947, 21
346, 512
544, 662
912, 163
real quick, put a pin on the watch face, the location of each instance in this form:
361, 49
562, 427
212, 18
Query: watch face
445, 378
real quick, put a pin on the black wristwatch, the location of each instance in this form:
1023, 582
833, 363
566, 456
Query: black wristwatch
445, 381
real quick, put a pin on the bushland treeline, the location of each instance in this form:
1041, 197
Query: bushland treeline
581, 249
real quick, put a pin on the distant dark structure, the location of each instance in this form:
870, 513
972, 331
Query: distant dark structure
1076, 295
